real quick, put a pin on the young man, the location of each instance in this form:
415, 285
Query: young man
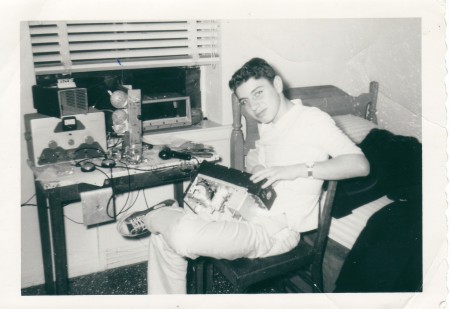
293, 154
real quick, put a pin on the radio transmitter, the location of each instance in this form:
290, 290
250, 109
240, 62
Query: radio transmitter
53, 140
165, 111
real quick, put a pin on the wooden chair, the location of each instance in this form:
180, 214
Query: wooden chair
306, 259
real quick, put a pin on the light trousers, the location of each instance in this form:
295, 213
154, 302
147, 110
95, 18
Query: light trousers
178, 234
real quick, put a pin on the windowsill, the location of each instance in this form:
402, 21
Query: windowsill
205, 131
204, 125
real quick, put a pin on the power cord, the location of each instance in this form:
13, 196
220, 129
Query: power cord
145, 199
112, 197
80, 223
35, 205
92, 148
26, 203
132, 204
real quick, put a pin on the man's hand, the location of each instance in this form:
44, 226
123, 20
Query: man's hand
274, 174
257, 169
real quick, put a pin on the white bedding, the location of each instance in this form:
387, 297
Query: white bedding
346, 230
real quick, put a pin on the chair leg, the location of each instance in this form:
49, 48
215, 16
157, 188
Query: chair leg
196, 276
317, 279
199, 274
208, 277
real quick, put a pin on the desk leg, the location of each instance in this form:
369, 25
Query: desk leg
178, 192
45, 240
59, 241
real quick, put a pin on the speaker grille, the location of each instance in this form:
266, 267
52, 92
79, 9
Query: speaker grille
73, 101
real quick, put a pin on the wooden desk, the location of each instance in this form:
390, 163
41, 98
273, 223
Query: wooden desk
60, 191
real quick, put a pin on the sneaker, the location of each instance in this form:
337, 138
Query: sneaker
133, 224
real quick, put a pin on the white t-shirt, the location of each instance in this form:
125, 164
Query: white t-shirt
304, 134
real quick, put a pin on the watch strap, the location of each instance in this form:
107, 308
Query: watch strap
310, 169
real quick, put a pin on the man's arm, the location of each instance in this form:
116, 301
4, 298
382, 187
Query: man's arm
340, 167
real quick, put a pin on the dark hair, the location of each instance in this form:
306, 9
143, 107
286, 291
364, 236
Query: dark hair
256, 68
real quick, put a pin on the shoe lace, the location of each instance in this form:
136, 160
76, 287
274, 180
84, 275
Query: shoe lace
137, 225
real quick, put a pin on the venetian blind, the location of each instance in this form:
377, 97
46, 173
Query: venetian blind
65, 47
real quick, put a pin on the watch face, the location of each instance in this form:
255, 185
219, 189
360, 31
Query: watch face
309, 167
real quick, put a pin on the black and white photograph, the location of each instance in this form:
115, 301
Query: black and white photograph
249, 155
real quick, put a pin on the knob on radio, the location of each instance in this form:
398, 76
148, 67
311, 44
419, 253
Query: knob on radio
52, 144
89, 140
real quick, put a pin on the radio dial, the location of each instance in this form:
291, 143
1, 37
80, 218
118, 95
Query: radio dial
52, 144
89, 139
71, 142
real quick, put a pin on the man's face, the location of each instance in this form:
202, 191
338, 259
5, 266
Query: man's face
261, 98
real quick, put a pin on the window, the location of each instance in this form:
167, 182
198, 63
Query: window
158, 57
68, 47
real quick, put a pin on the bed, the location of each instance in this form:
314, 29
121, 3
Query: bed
357, 117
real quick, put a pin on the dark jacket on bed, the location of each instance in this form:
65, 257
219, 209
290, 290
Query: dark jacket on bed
387, 256
395, 170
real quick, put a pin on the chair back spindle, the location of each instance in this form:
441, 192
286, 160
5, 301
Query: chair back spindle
237, 137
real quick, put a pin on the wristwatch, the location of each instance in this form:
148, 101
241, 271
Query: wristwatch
309, 168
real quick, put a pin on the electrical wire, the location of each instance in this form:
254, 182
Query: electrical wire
92, 148
110, 178
111, 198
108, 206
73, 220
129, 186
35, 205
26, 203
112, 187
145, 199
78, 163
132, 204
124, 208
119, 141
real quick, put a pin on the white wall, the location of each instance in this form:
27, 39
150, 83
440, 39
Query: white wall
31, 260
348, 53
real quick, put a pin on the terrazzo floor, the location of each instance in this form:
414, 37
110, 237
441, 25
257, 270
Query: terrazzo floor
132, 280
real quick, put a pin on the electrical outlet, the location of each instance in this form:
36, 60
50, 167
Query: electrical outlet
98, 206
